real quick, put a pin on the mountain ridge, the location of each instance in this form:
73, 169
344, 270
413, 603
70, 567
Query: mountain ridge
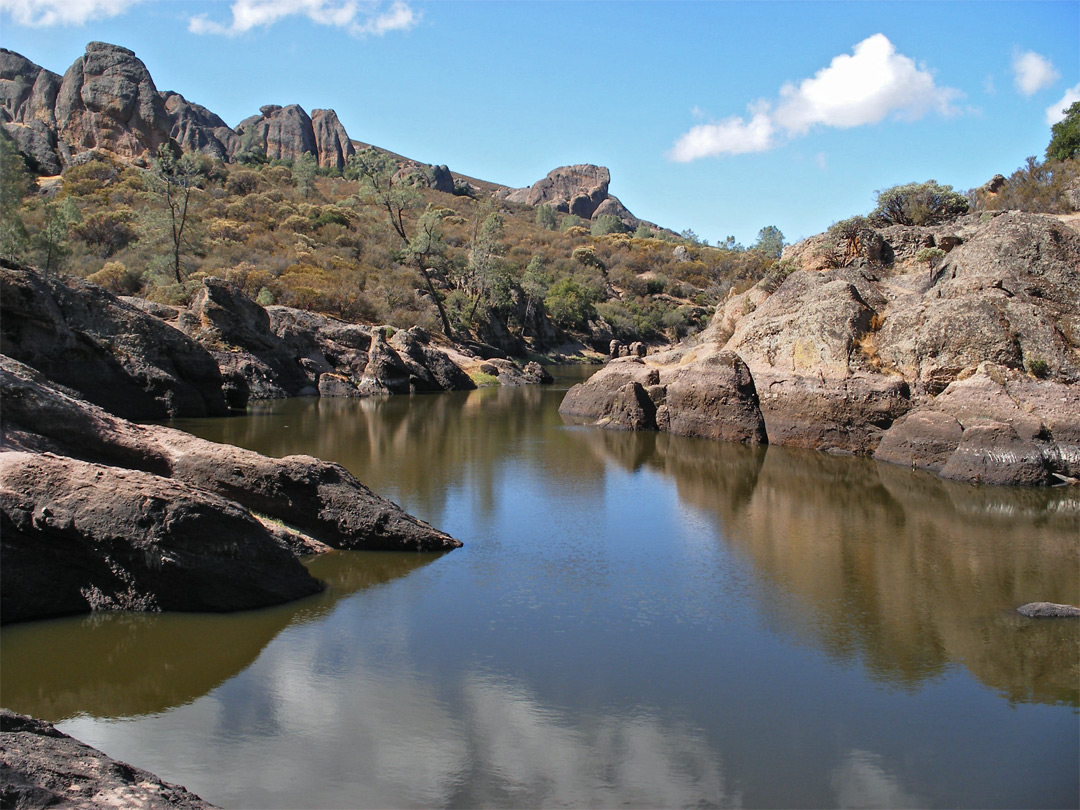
107, 100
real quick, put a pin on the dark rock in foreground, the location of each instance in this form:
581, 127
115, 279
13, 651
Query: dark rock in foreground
79, 537
41, 767
143, 517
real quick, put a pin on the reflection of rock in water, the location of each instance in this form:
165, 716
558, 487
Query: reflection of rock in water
915, 573
124, 664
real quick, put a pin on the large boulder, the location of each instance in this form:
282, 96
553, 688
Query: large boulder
255, 363
709, 397
43, 767
712, 398
321, 499
115, 355
78, 536
107, 100
577, 190
997, 426
332, 143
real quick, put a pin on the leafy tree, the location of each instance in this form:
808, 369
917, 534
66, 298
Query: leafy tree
15, 183
303, 173
545, 217
375, 171
111, 231
570, 303
729, 243
918, 204
571, 221
53, 241
644, 232
849, 235
690, 236
770, 241
930, 256
176, 177
1065, 135
484, 272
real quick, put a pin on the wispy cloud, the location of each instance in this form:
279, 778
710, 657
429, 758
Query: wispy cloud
1056, 111
1032, 72
47, 13
863, 87
357, 17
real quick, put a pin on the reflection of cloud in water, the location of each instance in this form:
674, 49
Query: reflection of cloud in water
862, 781
541, 756
387, 738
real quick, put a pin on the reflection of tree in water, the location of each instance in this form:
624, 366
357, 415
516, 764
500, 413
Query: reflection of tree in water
126, 664
910, 572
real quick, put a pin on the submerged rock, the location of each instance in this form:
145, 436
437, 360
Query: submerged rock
1048, 610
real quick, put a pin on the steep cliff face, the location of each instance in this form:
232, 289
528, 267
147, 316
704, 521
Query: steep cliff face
331, 140
107, 100
27, 109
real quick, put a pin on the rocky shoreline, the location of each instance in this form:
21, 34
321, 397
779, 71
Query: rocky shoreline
969, 371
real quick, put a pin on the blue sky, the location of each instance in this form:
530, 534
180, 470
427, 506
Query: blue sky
722, 117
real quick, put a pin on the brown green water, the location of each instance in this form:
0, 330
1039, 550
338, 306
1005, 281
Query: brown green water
635, 620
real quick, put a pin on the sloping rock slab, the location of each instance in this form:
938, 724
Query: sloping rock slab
78, 537
319, 497
41, 767
112, 353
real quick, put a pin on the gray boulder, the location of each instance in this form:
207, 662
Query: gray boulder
115, 355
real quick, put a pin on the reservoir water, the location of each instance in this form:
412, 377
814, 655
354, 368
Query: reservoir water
635, 620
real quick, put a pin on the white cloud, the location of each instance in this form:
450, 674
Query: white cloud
732, 136
1056, 111
358, 18
45, 13
864, 87
1032, 72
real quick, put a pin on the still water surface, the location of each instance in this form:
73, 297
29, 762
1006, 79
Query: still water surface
635, 620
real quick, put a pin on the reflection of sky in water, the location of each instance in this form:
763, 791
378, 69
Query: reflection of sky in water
641, 621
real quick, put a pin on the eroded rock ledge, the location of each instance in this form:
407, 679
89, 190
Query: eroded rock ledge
101, 513
142, 360
971, 371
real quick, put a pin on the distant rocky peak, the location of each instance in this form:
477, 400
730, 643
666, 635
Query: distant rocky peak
581, 190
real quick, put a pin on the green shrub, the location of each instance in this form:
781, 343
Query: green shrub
545, 217
605, 224
918, 204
